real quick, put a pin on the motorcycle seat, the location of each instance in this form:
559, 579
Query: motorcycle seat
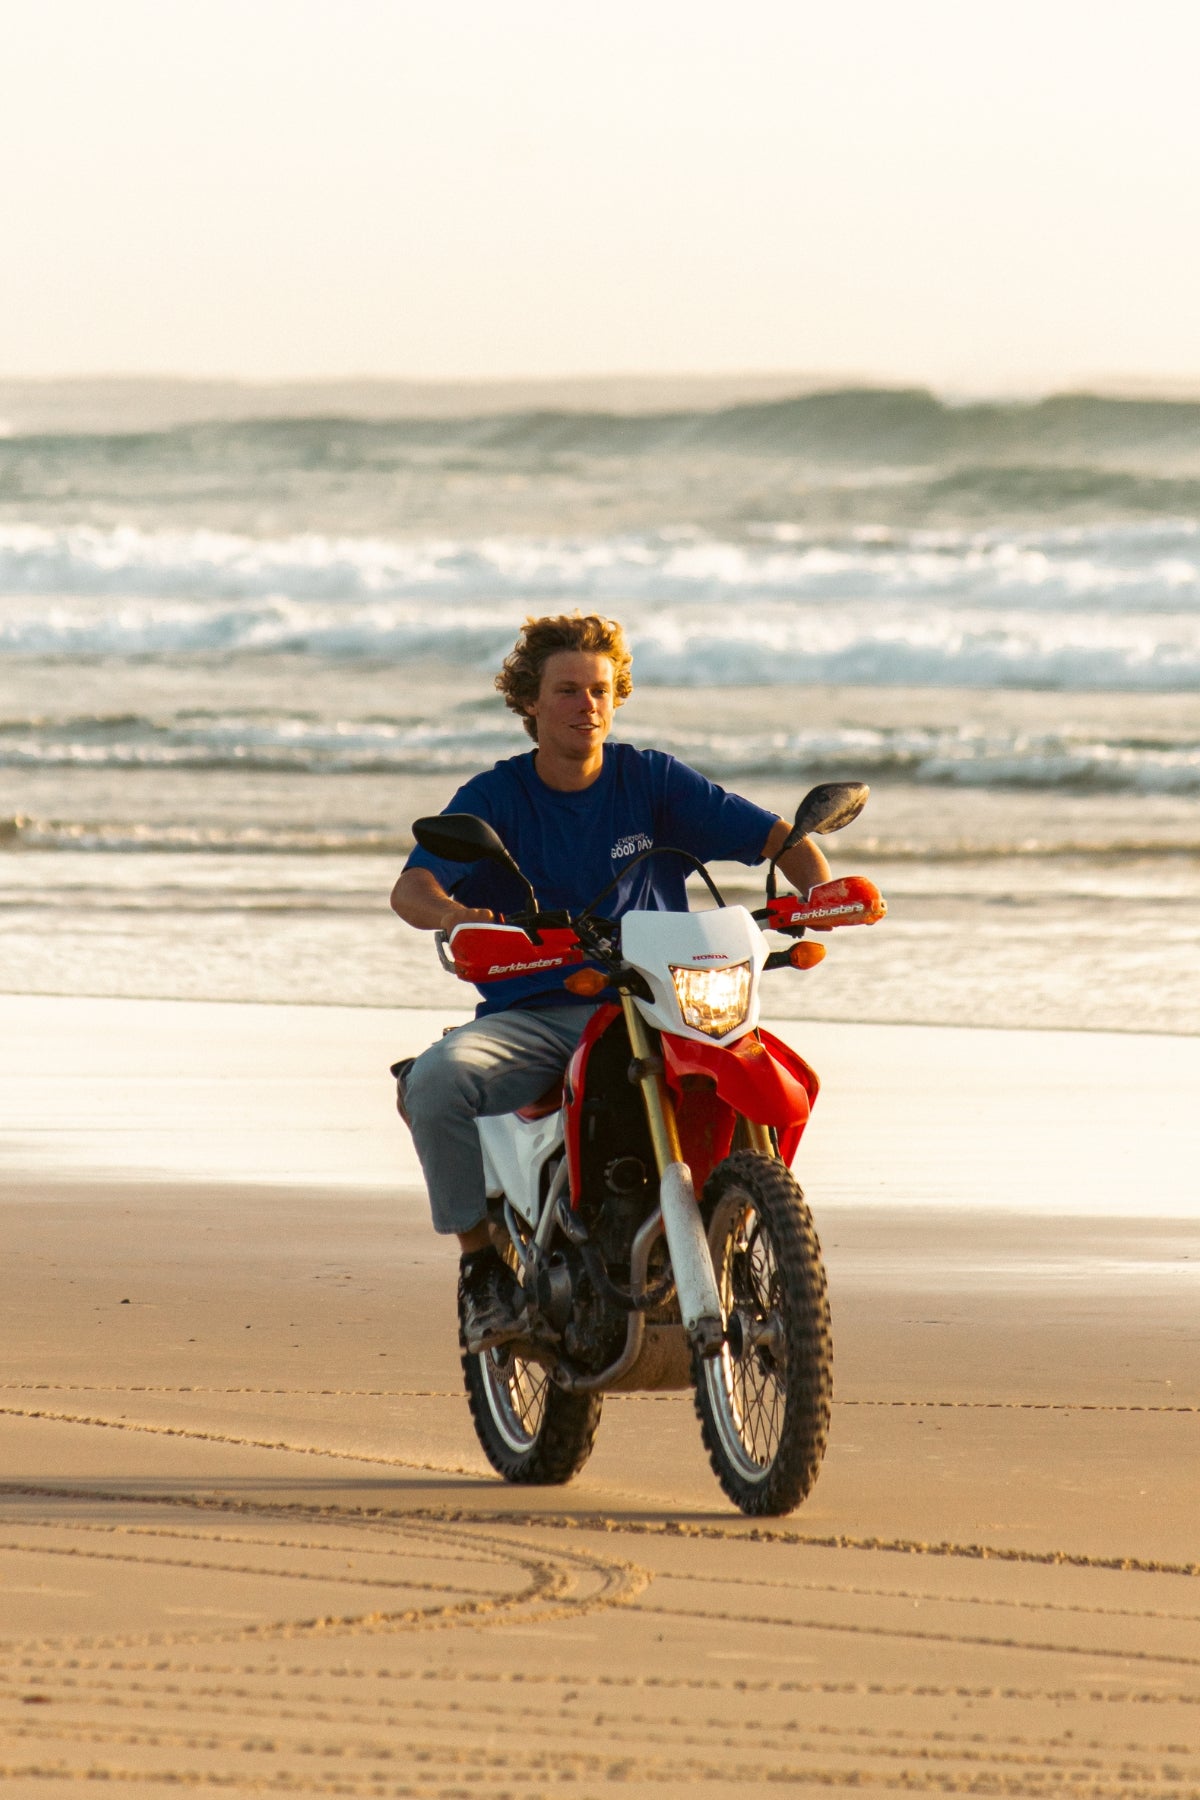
546, 1103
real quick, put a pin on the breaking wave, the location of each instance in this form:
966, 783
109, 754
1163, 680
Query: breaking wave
1098, 607
962, 757
1144, 566
847, 645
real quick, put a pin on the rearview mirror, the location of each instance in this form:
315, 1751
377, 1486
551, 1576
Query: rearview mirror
461, 837
823, 809
828, 808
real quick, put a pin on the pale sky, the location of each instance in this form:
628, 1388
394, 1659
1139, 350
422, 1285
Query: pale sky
976, 194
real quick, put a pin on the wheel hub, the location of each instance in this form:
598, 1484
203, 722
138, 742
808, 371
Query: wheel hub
747, 1331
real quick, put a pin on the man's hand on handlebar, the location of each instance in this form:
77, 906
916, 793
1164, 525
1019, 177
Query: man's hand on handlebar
456, 915
420, 900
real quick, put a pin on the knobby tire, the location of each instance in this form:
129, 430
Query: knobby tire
765, 1416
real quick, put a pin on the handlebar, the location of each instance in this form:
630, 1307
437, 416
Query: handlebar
527, 945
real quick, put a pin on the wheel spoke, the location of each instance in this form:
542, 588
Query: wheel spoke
517, 1392
750, 1283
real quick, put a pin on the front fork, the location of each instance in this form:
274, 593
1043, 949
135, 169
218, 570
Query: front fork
691, 1261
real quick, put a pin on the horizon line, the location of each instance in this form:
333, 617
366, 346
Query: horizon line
794, 381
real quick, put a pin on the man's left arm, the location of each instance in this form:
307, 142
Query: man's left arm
701, 817
803, 865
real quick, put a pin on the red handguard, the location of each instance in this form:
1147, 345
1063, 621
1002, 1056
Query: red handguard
489, 952
853, 900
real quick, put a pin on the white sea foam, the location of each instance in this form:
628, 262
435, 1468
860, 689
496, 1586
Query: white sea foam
875, 641
1114, 567
1102, 607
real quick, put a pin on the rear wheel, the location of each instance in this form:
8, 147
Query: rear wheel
764, 1402
530, 1430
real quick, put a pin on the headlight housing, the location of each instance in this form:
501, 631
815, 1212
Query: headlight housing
714, 1001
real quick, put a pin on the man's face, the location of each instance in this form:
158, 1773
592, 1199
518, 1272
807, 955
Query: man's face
574, 707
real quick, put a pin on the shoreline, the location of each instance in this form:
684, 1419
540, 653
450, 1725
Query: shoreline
777, 1024
1076, 1123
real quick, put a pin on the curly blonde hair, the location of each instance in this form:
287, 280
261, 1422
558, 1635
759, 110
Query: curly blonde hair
520, 678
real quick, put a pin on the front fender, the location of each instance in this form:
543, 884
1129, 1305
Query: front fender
758, 1076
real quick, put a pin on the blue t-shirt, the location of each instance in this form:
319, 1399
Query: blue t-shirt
571, 845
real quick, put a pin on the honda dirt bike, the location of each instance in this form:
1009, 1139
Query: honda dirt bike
646, 1202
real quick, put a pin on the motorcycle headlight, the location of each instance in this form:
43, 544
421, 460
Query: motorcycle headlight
713, 1001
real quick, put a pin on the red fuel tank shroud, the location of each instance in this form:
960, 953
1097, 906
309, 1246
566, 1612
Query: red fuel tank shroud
576, 1079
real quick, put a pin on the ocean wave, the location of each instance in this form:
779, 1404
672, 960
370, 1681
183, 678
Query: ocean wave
765, 642
950, 758
901, 425
214, 742
1031, 488
1117, 567
961, 757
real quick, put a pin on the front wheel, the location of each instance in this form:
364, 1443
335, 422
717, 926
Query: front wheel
764, 1401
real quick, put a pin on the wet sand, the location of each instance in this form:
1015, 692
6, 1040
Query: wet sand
249, 1544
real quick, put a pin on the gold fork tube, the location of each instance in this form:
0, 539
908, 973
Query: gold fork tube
660, 1114
758, 1137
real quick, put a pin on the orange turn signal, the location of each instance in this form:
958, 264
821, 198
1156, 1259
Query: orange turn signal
586, 982
806, 956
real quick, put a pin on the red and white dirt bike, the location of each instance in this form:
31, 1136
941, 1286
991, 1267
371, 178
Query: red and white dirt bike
647, 1203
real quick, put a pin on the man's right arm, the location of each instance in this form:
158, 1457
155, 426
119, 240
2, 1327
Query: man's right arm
420, 899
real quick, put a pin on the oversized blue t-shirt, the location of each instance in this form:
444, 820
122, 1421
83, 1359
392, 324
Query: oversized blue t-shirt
571, 845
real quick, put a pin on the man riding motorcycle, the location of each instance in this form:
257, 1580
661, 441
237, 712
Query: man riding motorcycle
572, 812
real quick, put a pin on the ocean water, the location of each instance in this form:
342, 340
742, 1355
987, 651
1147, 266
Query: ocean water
239, 654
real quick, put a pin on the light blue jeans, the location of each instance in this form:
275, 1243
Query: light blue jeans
490, 1066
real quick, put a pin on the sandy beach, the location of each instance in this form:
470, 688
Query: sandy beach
249, 1542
